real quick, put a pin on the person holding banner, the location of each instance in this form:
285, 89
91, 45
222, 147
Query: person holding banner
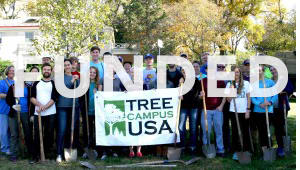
5, 109
138, 148
64, 116
243, 103
94, 87
189, 108
149, 74
259, 109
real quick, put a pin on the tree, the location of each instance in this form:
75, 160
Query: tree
8, 7
141, 23
280, 26
197, 26
3, 65
70, 27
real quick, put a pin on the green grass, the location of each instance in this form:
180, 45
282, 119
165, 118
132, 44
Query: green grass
217, 163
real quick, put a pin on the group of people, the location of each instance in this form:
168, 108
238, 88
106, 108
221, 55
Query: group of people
41, 98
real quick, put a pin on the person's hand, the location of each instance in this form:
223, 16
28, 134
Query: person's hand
180, 97
247, 114
31, 119
38, 110
43, 108
75, 77
220, 108
263, 105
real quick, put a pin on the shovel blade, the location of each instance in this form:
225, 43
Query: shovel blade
270, 155
174, 153
209, 150
88, 165
244, 157
287, 144
70, 155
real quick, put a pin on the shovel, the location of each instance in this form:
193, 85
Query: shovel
90, 153
269, 153
243, 157
71, 154
209, 150
41, 138
174, 152
286, 138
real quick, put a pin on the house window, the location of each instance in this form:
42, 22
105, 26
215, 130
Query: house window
1, 35
29, 36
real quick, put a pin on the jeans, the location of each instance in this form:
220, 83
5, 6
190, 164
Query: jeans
64, 119
192, 114
48, 123
214, 117
14, 134
4, 133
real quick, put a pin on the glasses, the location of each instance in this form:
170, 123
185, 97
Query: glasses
221, 67
246, 64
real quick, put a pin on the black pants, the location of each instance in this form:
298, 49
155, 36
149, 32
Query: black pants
83, 113
92, 131
260, 120
226, 126
279, 126
48, 124
244, 125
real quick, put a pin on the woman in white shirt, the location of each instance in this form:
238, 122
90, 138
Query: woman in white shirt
243, 102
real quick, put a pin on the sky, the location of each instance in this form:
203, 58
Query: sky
289, 4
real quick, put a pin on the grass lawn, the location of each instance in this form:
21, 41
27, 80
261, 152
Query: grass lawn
217, 163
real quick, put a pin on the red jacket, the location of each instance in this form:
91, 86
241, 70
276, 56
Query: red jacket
213, 102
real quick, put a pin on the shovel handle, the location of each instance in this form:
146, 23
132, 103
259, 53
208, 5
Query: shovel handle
73, 117
178, 114
87, 119
267, 114
238, 122
204, 108
41, 138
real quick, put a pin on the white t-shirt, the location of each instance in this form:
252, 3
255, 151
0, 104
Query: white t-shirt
44, 91
241, 99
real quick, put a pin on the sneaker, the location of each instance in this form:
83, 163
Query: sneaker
13, 159
235, 157
222, 155
59, 159
33, 161
115, 155
131, 155
96, 153
103, 157
280, 152
85, 155
139, 154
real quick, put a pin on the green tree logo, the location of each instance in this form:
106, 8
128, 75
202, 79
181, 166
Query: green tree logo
114, 120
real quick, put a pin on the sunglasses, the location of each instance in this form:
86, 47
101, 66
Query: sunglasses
221, 67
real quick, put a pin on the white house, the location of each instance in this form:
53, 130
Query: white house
16, 36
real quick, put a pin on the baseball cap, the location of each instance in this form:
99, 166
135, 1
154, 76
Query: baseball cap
246, 62
148, 56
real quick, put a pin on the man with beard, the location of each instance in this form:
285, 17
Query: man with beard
44, 95
173, 76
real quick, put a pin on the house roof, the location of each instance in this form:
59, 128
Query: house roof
28, 22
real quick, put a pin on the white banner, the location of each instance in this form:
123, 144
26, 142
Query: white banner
136, 118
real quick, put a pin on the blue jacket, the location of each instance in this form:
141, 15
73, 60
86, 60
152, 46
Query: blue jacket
259, 100
4, 108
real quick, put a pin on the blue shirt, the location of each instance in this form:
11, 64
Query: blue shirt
4, 108
100, 67
91, 99
24, 101
259, 100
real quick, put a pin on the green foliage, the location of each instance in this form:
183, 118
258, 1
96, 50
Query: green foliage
8, 8
141, 23
68, 27
280, 34
3, 65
